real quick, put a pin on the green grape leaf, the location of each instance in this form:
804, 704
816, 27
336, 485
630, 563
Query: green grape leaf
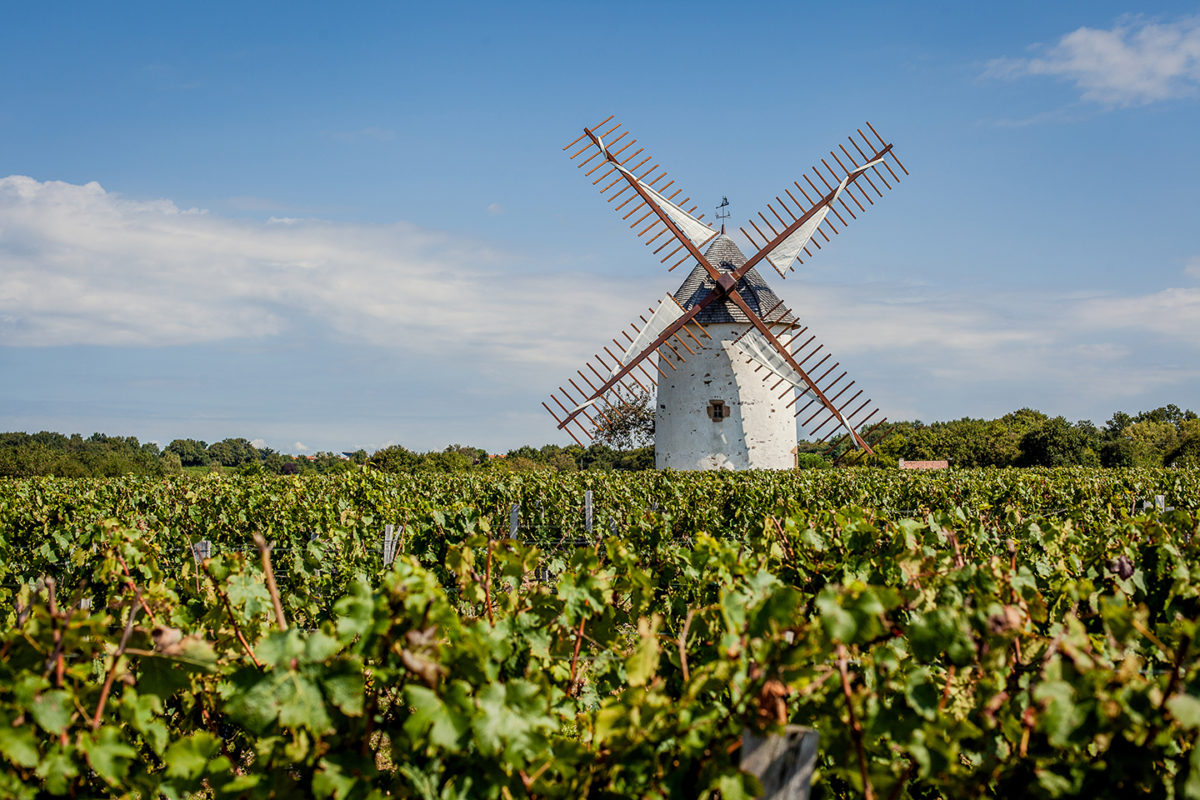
1185, 708
108, 753
188, 757
922, 693
444, 726
643, 662
301, 705
19, 745
52, 711
345, 691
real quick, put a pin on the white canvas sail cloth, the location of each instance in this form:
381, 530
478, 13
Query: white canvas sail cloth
691, 227
663, 317
667, 312
784, 254
756, 347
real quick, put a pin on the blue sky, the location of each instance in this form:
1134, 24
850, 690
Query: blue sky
331, 227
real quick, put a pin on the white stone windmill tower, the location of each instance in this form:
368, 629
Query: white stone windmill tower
733, 367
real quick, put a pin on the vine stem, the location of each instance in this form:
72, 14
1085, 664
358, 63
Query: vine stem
946, 691
1185, 645
112, 669
575, 655
56, 661
528, 780
195, 560
856, 731
212, 727
373, 690
783, 542
264, 550
959, 561
683, 665
1144, 631
133, 587
905, 778
237, 630
369, 717
487, 583
1012, 593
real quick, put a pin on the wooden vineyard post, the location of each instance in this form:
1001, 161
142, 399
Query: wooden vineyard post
782, 762
390, 542
514, 519
587, 512
1159, 505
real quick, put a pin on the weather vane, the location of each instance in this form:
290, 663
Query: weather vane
724, 205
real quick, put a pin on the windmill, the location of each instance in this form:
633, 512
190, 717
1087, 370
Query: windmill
732, 366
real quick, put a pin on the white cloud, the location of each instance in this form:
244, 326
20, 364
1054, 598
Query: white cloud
258, 444
299, 447
82, 265
1192, 268
876, 323
86, 266
1135, 62
495, 209
913, 349
1171, 313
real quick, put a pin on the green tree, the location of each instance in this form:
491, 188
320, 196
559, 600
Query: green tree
1058, 443
520, 464
47, 453
602, 457
1117, 424
814, 461
275, 462
963, 442
396, 458
446, 461
232, 452
1118, 452
1169, 413
474, 455
1154, 438
629, 425
1187, 454
562, 459
191, 452
1005, 435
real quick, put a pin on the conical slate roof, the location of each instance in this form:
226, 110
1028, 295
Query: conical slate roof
726, 257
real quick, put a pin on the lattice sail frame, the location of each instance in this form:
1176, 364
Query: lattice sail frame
774, 348
634, 164
817, 424
872, 160
572, 406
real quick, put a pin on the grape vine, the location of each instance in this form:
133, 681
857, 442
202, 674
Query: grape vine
972, 634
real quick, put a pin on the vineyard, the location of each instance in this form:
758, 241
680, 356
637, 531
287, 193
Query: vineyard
964, 634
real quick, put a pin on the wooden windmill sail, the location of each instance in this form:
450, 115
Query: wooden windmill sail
725, 284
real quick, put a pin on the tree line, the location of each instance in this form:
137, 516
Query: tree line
1165, 436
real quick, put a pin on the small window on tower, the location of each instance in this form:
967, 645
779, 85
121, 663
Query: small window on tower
717, 410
